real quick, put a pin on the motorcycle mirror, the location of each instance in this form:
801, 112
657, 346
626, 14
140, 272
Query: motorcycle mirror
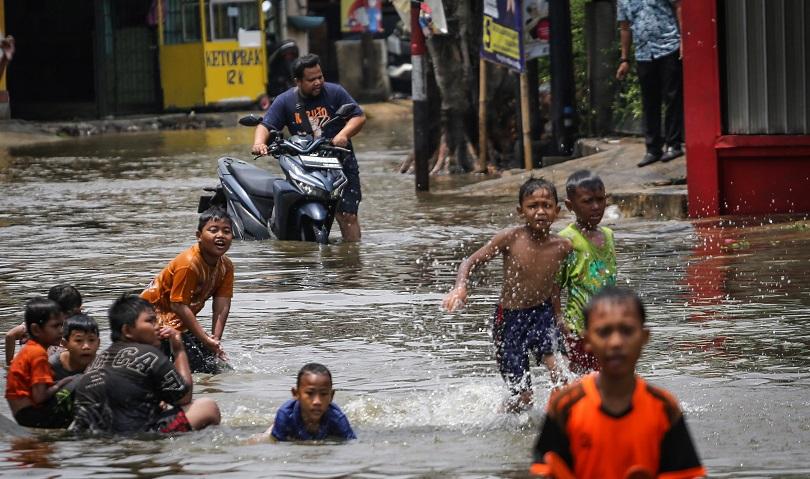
345, 110
250, 120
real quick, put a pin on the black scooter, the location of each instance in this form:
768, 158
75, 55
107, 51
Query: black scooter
299, 207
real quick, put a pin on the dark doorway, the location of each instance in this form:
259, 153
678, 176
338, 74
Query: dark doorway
52, 73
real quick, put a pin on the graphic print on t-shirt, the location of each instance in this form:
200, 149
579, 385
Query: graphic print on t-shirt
317, 117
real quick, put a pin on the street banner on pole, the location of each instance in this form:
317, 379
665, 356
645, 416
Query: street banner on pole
502, 39
515, 31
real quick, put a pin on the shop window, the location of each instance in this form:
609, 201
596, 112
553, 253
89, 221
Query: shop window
227, 17
182, 22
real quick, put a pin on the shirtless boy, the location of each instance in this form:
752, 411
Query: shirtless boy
525, 320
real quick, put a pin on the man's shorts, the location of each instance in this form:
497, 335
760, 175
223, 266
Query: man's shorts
518, 332
579, 360
172, 421
352, 195
200, 358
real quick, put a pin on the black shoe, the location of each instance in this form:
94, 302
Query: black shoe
671, 153
648, 158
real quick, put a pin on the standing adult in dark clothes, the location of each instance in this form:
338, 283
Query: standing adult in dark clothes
654, 26
305, 109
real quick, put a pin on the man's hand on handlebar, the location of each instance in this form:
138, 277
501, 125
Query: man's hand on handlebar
259, 149
340, 140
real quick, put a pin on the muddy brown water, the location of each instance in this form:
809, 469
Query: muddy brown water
728, 307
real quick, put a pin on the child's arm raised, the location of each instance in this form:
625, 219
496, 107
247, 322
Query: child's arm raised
12, 336
457, 297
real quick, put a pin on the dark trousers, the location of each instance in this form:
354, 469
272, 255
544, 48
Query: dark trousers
200, 358
661, 81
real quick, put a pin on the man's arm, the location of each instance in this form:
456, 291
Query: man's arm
626, 41
189, 320
353, 127
180, 362
458, 295
260, 139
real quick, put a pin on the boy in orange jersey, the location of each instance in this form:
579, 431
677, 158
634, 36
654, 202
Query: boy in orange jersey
179, 292
30, 388
612, 424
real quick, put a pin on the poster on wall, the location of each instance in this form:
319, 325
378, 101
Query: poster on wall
431, 16
361, 16
536, 29
515, 31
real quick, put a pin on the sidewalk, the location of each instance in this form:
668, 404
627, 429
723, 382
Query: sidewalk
20, 132
654, 191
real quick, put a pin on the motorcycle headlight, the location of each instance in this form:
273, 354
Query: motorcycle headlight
310, 190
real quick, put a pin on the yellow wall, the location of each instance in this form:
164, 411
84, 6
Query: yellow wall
182, 75
233, 73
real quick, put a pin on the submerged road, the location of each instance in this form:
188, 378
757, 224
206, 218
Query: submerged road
728, 308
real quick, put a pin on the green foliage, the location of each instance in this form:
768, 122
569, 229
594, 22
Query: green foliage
627, 104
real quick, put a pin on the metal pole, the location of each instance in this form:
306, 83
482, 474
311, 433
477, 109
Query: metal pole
482, 116
421, 112
563, 101
526, 123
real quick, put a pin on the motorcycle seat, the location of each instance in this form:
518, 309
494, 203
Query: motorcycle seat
254, 180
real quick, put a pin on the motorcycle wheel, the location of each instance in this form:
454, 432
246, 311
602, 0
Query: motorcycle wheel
315, 232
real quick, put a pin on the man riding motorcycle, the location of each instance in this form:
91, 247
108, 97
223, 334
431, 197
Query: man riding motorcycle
303, 109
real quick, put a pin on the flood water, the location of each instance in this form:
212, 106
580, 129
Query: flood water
728, 308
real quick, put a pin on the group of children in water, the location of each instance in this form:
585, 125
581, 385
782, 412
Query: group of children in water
609, 423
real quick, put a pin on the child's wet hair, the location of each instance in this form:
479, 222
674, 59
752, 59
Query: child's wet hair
67, 297
533, 184
125, 311
213, 213
585, 179
80, 322
614, 294
312, 368
39, 310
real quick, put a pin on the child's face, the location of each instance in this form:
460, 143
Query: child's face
314, 393
144, 331
616, 336
82, 347
215, 238
50, 333
588, 206
539, 210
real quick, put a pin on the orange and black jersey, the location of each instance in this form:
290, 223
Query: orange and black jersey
651, 434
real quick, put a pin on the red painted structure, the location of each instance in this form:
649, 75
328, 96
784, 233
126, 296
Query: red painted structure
732, 174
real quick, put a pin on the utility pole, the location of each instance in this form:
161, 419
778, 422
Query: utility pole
563, 96
421, 111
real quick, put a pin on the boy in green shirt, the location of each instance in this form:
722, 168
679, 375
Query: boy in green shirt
590, 266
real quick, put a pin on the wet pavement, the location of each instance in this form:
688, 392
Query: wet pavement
728, 307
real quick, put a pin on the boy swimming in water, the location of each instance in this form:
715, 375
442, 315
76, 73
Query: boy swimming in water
592, 264
311, 414
611, 424
525, 320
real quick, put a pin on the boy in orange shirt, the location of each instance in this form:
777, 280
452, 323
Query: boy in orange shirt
179, 292
612, 424
30, 389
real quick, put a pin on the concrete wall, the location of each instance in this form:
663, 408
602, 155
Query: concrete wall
301, 37
367, 82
